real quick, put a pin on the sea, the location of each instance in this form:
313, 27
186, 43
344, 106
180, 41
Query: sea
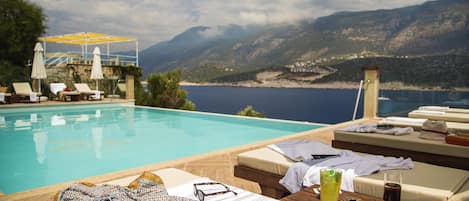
327, 106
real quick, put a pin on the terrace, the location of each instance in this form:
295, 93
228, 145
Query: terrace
217, 165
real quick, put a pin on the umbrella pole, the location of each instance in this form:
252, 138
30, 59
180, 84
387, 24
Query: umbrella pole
39, 87
97, 86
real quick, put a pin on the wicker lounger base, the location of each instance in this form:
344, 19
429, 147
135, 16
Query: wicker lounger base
442, 160
266, 180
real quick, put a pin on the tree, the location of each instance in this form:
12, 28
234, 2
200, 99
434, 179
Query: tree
21, 23
250, 112
164, 91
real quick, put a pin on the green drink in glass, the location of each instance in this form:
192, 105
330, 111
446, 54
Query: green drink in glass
330, 184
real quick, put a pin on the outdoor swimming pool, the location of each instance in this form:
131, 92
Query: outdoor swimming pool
47, 145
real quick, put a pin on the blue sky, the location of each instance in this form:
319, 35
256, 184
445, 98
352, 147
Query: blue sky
153, 21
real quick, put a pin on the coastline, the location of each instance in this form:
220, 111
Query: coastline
331, 85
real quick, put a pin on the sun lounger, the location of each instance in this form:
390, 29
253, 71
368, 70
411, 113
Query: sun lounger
57, 89
429, 151
417, 123
424, 182
86, 92
444, 109
180, 183
23, 89
439, 115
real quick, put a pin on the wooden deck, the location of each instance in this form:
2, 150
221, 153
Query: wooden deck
216, 165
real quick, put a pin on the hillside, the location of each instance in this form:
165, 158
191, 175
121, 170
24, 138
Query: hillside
433, 28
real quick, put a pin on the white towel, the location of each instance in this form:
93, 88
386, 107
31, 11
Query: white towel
187, 190
435, 108
97, 95
2, 97
33, 97
429, 112
405, 120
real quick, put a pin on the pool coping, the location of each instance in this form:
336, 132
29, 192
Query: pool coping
51, 190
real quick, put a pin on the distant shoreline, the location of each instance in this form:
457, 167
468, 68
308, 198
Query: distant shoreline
332, 85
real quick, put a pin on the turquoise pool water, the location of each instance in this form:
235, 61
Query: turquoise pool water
47, 145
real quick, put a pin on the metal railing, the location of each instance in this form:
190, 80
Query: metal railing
73, 57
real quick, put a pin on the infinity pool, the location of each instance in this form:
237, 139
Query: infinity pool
47, 145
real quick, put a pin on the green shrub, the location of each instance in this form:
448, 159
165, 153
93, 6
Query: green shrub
249, 111
164, 91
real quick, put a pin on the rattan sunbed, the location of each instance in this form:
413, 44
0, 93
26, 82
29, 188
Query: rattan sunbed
417, 125
424, 182
428, 151
86, 92
444, 109
23, 90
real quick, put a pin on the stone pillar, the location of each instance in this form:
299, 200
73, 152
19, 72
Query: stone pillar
371, 87
129, 87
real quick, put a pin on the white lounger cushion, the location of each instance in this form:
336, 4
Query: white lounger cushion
437, 115
410, 142
423, 183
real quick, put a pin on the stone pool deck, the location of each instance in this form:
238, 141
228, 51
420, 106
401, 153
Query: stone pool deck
53, 103
217, 165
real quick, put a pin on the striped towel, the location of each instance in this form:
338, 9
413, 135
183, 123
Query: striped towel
187, 190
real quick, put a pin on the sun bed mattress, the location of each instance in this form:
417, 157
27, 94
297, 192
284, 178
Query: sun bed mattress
424, 182
406, 142
445, 116
418, 126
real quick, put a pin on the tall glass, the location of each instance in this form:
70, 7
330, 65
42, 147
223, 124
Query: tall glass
330, 180
392, 186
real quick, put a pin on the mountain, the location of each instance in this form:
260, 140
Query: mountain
432, 28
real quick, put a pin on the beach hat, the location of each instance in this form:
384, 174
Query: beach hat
434, 130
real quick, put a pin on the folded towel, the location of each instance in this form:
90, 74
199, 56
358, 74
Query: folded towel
2, 97
405, 120
33, 97
434, 108
429, 112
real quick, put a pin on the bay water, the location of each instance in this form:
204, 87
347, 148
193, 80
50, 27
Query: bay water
315, 105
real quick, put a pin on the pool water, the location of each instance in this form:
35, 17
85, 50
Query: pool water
49, 145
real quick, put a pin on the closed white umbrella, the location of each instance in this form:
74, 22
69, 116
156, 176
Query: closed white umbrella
39, 70
96, 70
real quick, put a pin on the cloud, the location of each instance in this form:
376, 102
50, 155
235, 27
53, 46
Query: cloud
155, 21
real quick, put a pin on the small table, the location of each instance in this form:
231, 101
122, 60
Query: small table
70, 96
307, 194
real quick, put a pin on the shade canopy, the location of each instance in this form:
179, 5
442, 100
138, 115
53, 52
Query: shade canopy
39, 70
86, 38
96, 70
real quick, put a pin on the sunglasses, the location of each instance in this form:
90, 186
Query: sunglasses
201, 194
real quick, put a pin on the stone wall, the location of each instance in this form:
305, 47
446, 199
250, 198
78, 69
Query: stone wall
81, 73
